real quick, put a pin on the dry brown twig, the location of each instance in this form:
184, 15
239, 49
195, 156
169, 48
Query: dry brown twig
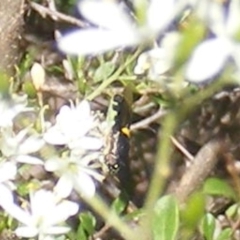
203, 164
147, 121
182, 149
55, 15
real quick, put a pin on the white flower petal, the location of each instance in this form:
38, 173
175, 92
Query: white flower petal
57, 230
8, 171
64, 186
107, 14
212, 13
42, 203
6, 196
65, 114
233, 20
54, 164
83, 109
84, 185
54, 136
46, 237
88, 143
64, 111
207, 60
62, 212
28, 159
21, 135
156, 60
160, 13
31, 144
236, 56
95, 41
16, 212
27, 232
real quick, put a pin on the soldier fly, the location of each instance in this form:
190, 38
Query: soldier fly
118, 146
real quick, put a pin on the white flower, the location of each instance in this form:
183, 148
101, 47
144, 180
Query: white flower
116, 28
74, 172
18, 147
72, 126
45, 216
10, 107
15, 148
8, 171
210, 57
158, 60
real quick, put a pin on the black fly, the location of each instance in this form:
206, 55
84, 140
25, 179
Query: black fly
117, 154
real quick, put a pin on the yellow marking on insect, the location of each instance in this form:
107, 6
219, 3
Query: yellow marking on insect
126, 131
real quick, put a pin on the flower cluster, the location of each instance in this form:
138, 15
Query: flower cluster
75, 164
117, 30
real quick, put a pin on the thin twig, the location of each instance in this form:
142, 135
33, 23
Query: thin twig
182, 149
147, 121
102, 231
56, 16
231, 168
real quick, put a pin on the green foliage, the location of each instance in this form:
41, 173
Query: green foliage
119, 204
87, 226
208, 225
4, 83
29, 89
166, 218
225, 234
193, 211
216, 186
233, 211
104, 71
212, 231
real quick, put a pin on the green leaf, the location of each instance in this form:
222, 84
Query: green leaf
226, 234
87, 225
104, 71
193, 211
208, 225
29, 89
4, 83
216, 186
232, 211
81, 233
119, 204
166, 218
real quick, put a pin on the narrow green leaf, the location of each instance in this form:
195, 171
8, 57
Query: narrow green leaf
4, 83
208, 225
29, 89
119, 204
232, 211
216, 186
226, 234
104, 71
81, 233
87, 224
166, 218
